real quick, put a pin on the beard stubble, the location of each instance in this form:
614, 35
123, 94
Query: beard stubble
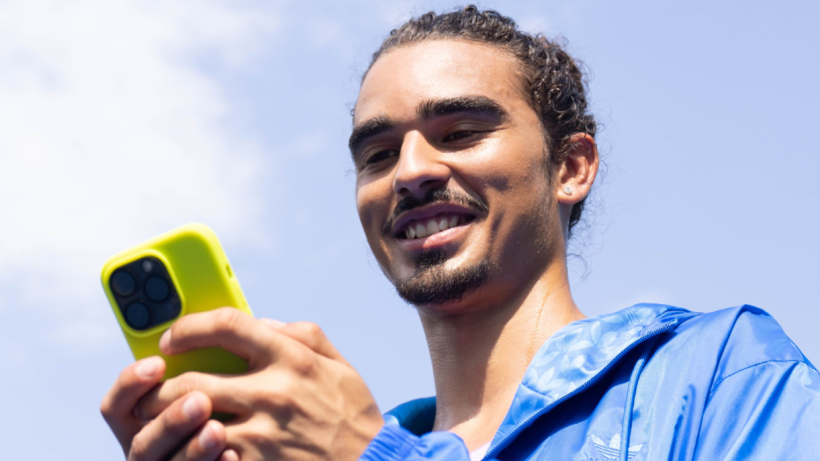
434, 284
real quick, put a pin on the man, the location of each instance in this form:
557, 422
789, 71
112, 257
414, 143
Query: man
474, 153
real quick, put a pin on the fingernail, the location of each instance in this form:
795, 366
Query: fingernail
229, 455
165, 341
274, 323
194, 408
207, 438
148, 367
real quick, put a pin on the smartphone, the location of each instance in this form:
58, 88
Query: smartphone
155, 283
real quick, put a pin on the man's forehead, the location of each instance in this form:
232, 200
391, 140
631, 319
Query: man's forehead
403, 78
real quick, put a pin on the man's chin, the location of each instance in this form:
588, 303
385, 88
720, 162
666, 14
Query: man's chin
434, 284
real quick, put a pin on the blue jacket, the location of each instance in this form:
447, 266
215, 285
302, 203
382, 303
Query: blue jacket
650, 382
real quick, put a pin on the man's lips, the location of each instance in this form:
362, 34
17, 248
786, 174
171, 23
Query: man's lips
430, 220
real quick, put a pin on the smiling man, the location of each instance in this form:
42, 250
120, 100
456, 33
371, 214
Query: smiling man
474, 153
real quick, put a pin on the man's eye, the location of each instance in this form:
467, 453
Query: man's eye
460, 135
381, 156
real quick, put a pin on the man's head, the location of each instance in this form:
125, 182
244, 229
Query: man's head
465, 124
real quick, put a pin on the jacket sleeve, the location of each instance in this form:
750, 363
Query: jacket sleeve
770, 410
394, 443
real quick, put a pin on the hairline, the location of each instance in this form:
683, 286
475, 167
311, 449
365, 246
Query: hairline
519, 72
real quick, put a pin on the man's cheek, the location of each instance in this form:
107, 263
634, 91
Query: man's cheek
370, 225
378, 244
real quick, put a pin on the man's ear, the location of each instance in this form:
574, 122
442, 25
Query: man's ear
577, 171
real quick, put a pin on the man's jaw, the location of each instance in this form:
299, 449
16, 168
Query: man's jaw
434, 284
431, 236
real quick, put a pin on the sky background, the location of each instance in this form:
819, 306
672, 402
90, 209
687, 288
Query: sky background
121, 120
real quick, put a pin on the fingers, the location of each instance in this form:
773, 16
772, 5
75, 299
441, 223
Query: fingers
205, 445
118, 405
160, 438
309, 334
228, 328
222, 391
229, 455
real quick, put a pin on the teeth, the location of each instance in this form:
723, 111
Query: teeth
421, 231
443, 224
431, 226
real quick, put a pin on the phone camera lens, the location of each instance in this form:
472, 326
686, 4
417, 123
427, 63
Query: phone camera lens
156, 288
147, 265
123, 283
137, 316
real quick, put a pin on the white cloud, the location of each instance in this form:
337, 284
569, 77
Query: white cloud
108, 136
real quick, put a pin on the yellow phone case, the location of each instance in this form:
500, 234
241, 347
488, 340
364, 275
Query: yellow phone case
200, 272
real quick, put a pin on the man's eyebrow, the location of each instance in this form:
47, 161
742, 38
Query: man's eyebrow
373, 127
479, 105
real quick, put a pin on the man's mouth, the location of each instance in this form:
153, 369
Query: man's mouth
416, 229
439, 210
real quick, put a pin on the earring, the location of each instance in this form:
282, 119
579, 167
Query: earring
568, 190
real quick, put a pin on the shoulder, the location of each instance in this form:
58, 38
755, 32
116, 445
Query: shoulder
763, 399
740, 338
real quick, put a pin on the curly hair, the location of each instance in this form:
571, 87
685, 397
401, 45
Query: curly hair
553, 79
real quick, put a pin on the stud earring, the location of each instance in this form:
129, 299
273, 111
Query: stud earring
568, 190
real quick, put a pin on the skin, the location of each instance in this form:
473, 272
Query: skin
480, 346
300, 399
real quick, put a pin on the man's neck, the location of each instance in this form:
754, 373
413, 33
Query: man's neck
480, 357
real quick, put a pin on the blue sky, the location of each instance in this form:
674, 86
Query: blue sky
121, 120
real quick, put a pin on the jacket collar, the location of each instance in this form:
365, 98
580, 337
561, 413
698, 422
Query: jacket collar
571, 360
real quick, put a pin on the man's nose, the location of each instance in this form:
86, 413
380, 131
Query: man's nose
420, 168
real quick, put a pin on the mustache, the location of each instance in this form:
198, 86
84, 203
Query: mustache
437, 195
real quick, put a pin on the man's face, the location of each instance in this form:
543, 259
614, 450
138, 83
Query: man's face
452, 185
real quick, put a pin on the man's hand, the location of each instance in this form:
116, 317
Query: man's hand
299, 399
163, 436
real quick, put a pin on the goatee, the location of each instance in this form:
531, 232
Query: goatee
433, 284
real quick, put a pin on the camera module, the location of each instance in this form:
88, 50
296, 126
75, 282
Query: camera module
145, 294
